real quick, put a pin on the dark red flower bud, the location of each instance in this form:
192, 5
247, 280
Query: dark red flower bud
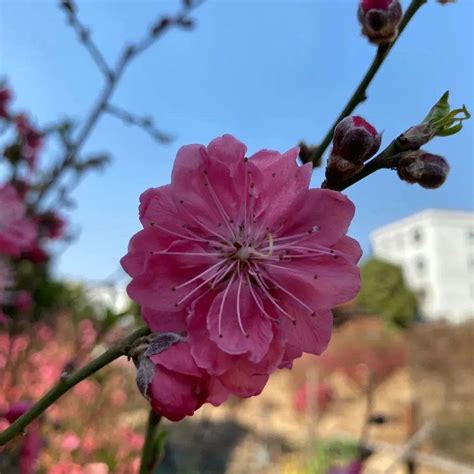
23, 301
21, 186
16, 410
32, 139
5, 98
36, 255
429, 171
339, 169
355, 139
417, 136
380, 20
53, 224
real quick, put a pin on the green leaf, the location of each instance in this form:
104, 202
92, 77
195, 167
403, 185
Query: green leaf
439, 110
443, 120
450, 131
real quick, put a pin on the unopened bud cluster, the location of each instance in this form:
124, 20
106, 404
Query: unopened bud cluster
354, 142
427, 170
380, 20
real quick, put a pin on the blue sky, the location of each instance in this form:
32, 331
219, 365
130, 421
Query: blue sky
269, 72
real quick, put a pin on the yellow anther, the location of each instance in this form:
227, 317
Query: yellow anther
270, 242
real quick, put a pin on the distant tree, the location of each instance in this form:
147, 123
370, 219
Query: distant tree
385, 292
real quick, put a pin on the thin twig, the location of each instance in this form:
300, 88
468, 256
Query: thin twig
143, 122
360, 94
66, 383
129, 52
149, 455
419, 437
85, 37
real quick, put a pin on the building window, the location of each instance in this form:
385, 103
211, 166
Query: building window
470, 235
420, 265
417, 236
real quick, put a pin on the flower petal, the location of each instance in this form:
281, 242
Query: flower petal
256, 332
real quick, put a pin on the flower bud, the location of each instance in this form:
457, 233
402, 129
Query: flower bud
380, 20
429, 171
339, 169
5, 98
417, 136
355, 139
36, 255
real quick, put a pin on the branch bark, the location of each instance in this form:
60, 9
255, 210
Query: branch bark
360, 94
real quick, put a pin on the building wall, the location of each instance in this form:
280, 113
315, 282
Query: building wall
435, 249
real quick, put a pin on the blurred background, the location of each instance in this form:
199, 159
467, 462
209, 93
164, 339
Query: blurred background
92, 112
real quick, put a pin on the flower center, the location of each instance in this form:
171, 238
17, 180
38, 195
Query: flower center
243, 252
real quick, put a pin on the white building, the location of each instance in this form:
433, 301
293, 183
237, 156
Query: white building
435, 249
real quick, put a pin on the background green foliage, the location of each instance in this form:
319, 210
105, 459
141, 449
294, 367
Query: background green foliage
385, 292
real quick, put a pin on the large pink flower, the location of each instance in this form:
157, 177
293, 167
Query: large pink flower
17, 232
243, 257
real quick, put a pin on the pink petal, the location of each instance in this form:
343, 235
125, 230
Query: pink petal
319, 282
291, 353
309, 334
243, 383
217, 393
205, 351
157, 287
349, 247
227, 149
143, 243
282, 187
173, 395
157, 206
328, 210
178, 358
230, 338
164, 321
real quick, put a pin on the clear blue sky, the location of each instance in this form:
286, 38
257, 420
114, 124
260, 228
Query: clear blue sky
269, 72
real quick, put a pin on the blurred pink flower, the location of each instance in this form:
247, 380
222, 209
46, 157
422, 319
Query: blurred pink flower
87, 334
16, 410
70, 442
241, 255
31, 442
354, 467
16, 231
30, 449
23, 300
66, 467
134, 440
96, 468
54, 225
32, 139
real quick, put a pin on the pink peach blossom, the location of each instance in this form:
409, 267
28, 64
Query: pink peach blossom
70, 442
243, 257
179, 387
17, 232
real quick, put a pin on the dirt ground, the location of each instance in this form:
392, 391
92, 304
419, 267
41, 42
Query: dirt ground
276, 438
